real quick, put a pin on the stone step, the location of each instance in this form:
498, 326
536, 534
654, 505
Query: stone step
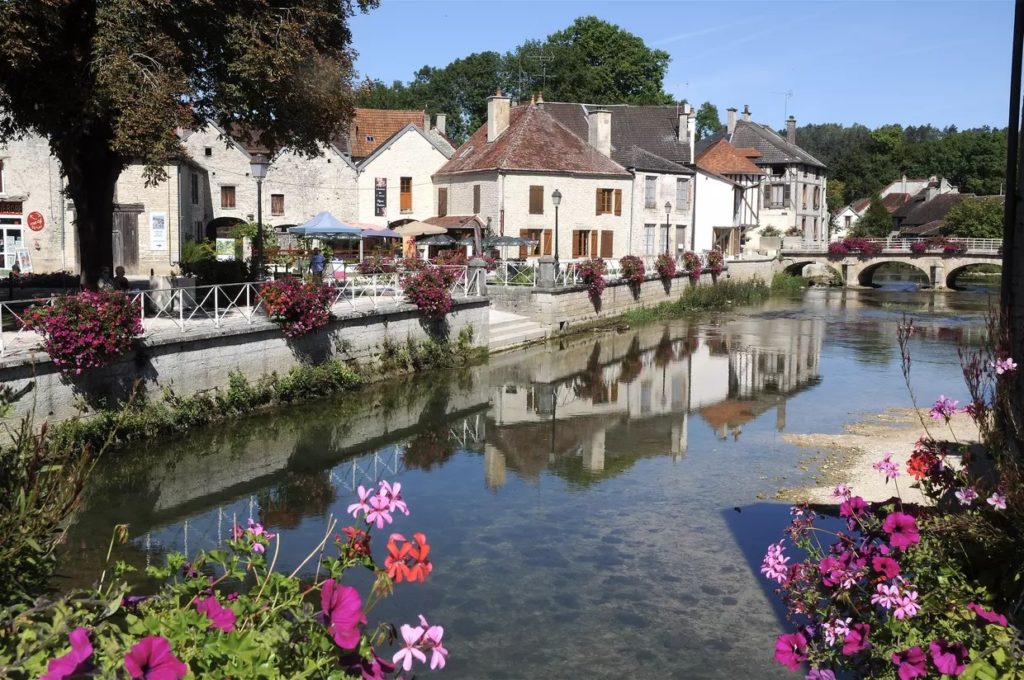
508, 326
515, 335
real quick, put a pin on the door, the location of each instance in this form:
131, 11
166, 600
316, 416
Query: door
126, 238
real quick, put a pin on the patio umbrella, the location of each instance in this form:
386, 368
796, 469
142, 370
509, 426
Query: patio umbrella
437, 240
503, 241
380, 233
325, 225
467, 241
420, 229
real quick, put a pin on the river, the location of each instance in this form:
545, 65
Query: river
595, 506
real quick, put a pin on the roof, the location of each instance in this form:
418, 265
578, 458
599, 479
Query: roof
771, 145
435, 140
638, 159
893, 201
370, 128
723, 158
534, 141
455, 221
919, 212
655, 129
860, 205
926, 229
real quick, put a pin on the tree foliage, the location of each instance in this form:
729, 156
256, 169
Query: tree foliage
707, 120
975, 218
876, 221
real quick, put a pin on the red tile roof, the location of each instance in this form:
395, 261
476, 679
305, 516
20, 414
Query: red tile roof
860, 205
534, 141
372, 127
455, 221
724, 159
894, 201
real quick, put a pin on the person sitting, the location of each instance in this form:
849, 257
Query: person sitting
120, 280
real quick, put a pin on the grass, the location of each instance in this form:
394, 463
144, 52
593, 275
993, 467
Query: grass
721, 295
783, 283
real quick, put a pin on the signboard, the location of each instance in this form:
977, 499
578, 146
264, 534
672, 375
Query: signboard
380, 196
36, 221
24, 260
10, 207
158, 231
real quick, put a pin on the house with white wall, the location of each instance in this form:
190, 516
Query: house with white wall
733, 218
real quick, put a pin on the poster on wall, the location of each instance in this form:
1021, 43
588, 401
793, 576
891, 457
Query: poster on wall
24, 259
158, 231
380, 196
225, 249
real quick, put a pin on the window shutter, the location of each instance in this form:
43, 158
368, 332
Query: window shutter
606, 243
442, 202
767, 189
476, 199
546, 242
523, 233
593, 243
598, 208
785, 195
618, 201
536, 200
575, 243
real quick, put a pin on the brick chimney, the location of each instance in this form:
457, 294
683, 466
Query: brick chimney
746, 113
440, 122
731, 120
687, 127
600, 130
498, 110
791, 130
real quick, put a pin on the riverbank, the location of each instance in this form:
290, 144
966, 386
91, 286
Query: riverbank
847, 457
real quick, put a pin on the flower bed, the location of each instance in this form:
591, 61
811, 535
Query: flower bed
665, 266
86, 330
692, 265
299, 307
632, 269
376, 264
853, 245
592, 273
430, 289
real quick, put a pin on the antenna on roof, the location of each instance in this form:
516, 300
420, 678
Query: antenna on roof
785, 107
526, 77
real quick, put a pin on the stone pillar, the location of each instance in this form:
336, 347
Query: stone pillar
846, 275
546, 272
938, 276
477, 272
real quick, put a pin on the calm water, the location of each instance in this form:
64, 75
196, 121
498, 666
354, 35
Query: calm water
594, 505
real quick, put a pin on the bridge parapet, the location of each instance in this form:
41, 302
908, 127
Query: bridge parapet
979, 246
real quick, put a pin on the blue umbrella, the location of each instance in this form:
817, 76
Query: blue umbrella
326, 225
382, 233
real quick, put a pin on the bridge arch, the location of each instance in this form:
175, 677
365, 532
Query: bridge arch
796, 268
953, 274
867, 273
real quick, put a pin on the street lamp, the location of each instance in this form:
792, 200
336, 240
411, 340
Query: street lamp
668, 210
258, 168
556, 198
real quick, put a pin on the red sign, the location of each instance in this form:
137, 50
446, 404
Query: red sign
36, 221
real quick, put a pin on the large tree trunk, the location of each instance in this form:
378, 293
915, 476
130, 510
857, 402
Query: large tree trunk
92, 171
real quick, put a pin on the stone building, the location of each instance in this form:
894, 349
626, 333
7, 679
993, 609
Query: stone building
727, 214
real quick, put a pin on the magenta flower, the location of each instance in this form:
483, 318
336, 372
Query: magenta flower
943, 409
886, 566
343, 610
774, 564
410, 651
907, 606
886, 596
374, 668
911, 663
886, 466
841, 492
256, 529
1001, 366
902, 530
820, 674
853, 508
362, 505
857, 639
988, 616
997, 501
791, 649
949, 657
74, 662
259, 548
220, 617
151, 658
966, 495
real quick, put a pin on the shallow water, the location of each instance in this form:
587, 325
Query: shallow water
594, 506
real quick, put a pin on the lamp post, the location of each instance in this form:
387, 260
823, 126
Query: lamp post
258, 168
556, 198
668, 210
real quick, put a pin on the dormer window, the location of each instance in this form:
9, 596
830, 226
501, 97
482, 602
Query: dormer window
369, 138
208, 151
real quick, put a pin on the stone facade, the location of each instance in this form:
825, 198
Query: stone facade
410, 155
647, 236
801, 207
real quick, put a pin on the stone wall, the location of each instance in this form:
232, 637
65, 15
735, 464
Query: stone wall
203, 359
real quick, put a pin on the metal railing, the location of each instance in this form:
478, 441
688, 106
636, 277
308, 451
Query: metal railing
979, 246
512, 273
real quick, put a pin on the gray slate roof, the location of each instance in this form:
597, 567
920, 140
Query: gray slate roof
773, 147
653, 130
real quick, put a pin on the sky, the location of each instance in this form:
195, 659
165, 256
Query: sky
868, 61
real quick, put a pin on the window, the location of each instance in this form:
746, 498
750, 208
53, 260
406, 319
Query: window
846, 221
803, 226
609, 201
581, 239
663, 241
476, 199
649, 239
817, 197
777, 196
227, 197
682, 194
536, 200
534, 248
207, 151
200, 236
803, 197
405, 204
195, 188
650, 192
606, 243
369, 138
442, 202
276, 204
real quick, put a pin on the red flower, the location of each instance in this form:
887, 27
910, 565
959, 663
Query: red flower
407, 560
358, 541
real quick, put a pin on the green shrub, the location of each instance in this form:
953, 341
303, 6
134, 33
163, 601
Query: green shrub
787, 283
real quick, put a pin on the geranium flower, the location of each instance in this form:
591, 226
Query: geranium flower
343, 609
151, 658
997, 501
410, 651
1001, 366
380, 512
393, 492
907, 606
841, 492
949, 657
902, 530
220, 617
988, 616
857, 639
966, 495
853, 508
886, 566
358, 541
943, 409
362, 505
885, 596
886, 466
432, 642
911, 663
408, 561
820, 674
774, 564
791, 649
836, 630
74, 662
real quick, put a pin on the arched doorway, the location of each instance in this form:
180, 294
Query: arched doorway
221, 227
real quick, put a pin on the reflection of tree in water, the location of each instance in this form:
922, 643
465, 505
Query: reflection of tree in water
300, 494
430, 447
590, 384
665, 352
632, 363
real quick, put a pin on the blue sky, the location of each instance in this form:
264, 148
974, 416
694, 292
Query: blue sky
871, 62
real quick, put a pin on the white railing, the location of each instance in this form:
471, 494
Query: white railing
512, 273
979, 246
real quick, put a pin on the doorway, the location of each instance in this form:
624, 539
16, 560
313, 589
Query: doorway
126, 236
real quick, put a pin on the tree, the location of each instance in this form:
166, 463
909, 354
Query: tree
835, 195
108, 83
707, 121
876, 220
975, 218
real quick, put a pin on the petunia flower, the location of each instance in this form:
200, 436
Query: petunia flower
410, 651
911, 663
949, 658
790, 649
151, 658
74, 662
902, 530
988, 616
853, 508
885, 566
820, 674
343, 609
220, 617
857, 639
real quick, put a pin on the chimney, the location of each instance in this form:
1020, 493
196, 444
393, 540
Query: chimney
441, 120
746, 113
731, 124
791, 130
687, 128
426, 122
498, 111
599, 122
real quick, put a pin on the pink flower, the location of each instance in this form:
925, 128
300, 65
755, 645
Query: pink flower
911, 663
431, 641
220, 617
949, 657
74, 662
857, 639
841, 492
907, 605
258, 548
988, 616
362, 505
885, 596
966, 496
886, 466
343, 609
902, 530
151, 658
853, 508
380, 512
393, 492
997, 501
410, 651
886, 566
1001, 366
943, 409
774, 563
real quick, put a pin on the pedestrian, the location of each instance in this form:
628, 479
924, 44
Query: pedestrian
316, 265
120, 280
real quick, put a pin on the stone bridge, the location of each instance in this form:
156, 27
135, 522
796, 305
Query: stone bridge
940, 268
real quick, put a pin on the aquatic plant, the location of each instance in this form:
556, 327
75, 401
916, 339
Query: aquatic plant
299, 307
632, 269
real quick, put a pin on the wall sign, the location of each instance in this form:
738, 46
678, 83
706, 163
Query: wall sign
158, 231
380, 196
10, 207
24, 259
36, 221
